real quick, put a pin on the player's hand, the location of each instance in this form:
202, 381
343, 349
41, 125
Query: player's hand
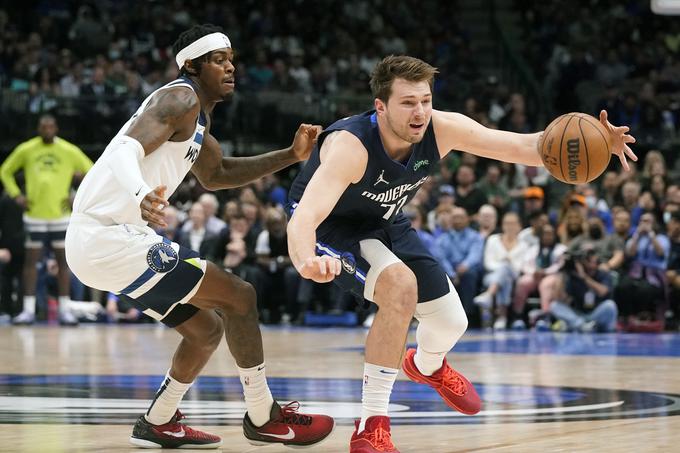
152, 207
321, 269
619, 139
21, 201
304, 141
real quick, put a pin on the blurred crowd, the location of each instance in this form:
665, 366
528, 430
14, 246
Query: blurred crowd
600, 256
524, 250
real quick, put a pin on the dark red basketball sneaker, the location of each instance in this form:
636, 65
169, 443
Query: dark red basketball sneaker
375, 438
456, 391
172, 434
289, 427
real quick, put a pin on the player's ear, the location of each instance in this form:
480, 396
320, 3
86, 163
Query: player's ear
380, 106
189, 65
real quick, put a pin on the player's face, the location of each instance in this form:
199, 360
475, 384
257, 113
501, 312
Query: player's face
217, 74
409, 109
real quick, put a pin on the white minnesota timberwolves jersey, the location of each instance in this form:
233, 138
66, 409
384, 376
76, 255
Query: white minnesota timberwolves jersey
102, 197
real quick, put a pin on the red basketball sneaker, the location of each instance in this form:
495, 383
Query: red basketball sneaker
456, 391
289, 427
374, 438
173, 434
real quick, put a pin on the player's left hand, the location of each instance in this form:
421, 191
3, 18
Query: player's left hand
619, 139
304, 141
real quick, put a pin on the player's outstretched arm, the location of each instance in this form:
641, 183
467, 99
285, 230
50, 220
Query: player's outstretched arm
343, 161
456, 131
216, 172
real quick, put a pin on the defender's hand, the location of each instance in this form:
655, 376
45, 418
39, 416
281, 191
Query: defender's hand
321, 269
304, 141
152, 207
620, 139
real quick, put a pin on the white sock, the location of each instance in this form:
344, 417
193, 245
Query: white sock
167, 399
64, 304
258, 397
29, 304
428, 362
375, 397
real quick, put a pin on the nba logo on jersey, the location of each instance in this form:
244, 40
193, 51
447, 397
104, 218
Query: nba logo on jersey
161, 258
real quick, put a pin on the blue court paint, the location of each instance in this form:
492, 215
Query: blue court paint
552, 343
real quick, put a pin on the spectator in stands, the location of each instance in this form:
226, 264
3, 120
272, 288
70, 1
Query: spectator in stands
673, 268
281, 280
596, 207
459, 251
503, 260
496, 193
533, 201
572, 225
610, 189
50, 164
641, 290
468, 195
630, 193
539, 270
235, 250
120, 310
531, 235
584, 302
439, 218
11, 255
213, 224
172, 229
198, 237
417, 217
613, 245
487, 221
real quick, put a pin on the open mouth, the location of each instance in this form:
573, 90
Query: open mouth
416, 127
229, 83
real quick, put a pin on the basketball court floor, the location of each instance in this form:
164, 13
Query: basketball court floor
80, 390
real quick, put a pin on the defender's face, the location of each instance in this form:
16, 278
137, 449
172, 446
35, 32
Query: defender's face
217, 73
409, 109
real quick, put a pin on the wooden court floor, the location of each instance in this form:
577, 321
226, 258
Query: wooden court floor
80, 390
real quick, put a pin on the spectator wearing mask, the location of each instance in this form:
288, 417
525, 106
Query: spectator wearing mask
530, 236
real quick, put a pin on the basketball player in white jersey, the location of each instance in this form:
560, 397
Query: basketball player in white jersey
110, 246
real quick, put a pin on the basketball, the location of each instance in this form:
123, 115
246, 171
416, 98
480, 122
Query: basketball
575, 148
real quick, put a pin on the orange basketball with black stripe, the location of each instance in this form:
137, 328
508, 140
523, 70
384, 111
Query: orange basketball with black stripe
575, 148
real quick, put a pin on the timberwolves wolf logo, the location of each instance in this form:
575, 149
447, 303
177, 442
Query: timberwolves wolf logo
161, 258
380, 178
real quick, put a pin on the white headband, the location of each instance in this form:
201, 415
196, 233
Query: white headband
202, 46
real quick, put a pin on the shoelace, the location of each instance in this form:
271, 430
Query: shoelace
190, 432
290, 414
380, 438
452, 380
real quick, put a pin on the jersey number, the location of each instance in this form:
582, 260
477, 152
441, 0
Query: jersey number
394, 208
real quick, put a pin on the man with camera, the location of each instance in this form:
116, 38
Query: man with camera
583, 302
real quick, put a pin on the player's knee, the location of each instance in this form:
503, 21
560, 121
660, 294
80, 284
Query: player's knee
398, 288
244, 300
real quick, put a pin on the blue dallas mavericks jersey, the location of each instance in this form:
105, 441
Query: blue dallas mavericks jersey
387, 185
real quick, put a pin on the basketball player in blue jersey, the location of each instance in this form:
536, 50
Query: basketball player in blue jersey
110, 246
346, 225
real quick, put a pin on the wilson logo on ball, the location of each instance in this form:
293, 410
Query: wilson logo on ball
573, 147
